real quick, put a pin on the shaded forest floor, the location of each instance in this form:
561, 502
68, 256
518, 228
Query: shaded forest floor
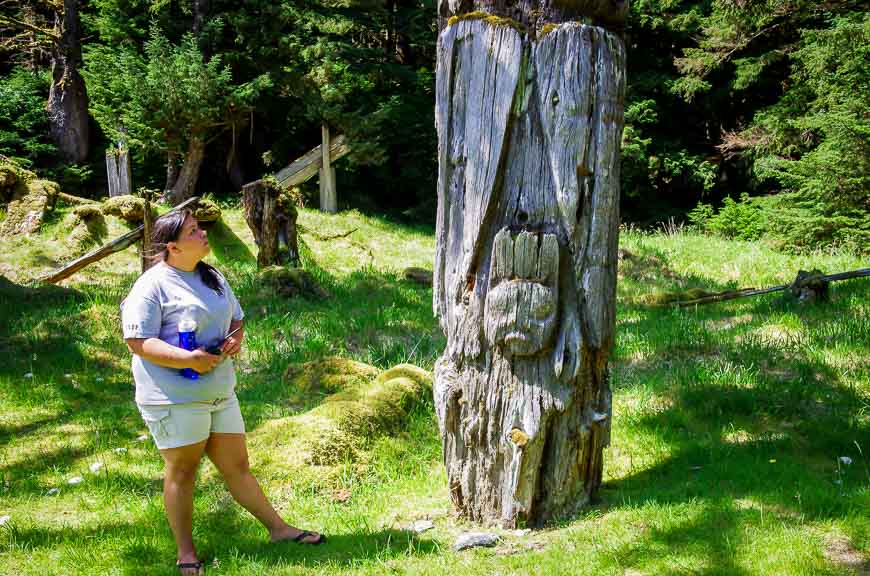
733, 423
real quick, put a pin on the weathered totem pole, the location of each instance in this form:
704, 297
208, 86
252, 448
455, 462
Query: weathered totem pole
529, 114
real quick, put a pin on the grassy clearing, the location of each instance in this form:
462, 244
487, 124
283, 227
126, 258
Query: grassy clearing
729, 421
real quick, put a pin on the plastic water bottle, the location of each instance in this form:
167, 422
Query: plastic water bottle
187, 340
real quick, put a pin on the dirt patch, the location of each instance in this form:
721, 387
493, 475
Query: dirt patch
840, 551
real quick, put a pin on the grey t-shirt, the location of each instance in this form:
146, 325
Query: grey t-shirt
158, 301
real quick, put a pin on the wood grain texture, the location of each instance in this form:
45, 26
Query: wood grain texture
525, 267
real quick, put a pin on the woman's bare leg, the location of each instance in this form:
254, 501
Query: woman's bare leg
229, 453
178, 484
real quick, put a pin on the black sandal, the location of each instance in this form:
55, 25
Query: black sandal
189, 565
300, 538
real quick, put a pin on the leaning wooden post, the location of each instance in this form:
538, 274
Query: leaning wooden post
328, 196
147, 221
529, 112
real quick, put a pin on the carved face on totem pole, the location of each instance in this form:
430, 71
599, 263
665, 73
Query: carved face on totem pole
521, 307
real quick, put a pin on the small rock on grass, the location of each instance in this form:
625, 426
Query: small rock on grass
121, 450
75, 480
475, 539
142, 437
96, 467
53, 492
4, 520
421, 526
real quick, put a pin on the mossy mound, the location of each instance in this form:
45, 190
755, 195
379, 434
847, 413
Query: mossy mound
290, 282
329, 375
207, 210
88, 227
127, 207
342, 429
25, 215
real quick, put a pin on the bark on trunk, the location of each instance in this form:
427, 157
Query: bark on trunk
67, 96
271, 217
529, 128
185, 185
171, 171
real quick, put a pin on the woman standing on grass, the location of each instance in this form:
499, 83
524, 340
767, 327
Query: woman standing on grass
189, 417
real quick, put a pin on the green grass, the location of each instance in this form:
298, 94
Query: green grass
729, 420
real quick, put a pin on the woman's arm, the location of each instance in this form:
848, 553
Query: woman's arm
161, 353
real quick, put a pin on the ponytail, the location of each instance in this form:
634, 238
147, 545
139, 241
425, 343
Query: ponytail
209, 276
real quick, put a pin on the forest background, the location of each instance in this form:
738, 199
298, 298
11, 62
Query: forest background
744, 118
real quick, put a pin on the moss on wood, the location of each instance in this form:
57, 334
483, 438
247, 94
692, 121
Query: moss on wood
25, 215
207, 210
88, 227
127, 207
489, 19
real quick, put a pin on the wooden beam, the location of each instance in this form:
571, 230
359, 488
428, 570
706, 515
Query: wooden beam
116, 245
308, 165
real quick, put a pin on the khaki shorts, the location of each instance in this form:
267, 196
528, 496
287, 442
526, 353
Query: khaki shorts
176, 425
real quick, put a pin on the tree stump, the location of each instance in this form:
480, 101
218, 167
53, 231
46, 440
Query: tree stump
271, 215
529, 114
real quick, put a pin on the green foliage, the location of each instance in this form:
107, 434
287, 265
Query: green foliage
820, 155
159, 100
741, 220
23, 118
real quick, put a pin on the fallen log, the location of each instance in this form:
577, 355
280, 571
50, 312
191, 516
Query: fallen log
72, 200
116, 245
803, 279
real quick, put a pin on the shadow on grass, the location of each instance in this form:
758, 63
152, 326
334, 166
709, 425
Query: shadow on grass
227, 247
142, 552
753, 415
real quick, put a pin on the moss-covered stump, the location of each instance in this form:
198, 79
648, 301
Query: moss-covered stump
207, 211
343, 427
126, 207
25, 215
290, 282
87, 225
13, 180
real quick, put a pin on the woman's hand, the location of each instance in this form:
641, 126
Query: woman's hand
233, 344
202, 361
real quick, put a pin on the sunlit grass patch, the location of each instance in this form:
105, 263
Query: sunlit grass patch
729, 423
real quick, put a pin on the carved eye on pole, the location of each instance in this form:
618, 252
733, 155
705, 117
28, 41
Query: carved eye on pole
520, 311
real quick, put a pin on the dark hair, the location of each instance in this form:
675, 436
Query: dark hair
167, 229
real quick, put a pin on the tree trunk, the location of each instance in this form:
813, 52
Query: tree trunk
529, 127
171, 171
67, 97
186, 183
